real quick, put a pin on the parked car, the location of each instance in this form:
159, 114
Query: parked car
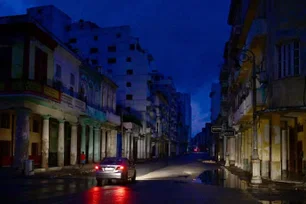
118, 168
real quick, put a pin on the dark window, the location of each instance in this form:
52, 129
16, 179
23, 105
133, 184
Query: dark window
71, 91
118, 35
128, 59
94, 61
128, 109
112, 48
72, 79
111, 60
132, 47
41, 63
109, 71
35, 126
5, 120
128, 84
129, 97
58, 72
96, 37
72, 40
129, 72
6, 63
94, 50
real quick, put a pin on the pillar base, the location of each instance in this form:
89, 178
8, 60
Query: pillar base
232, 163
284, 174
256, 178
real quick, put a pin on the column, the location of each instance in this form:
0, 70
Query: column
22, 137
226, 145
232, 151
149, 146
45, 142
264, 131
103, 141
109, 143
242, 150
114, 142
97, 143
60, 144
284, 153
132, 146
83, 139
276, 156
74, 144
128, 144
157, 143
138, 148
90, 145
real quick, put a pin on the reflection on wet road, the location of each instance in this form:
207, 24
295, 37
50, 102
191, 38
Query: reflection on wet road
185, 180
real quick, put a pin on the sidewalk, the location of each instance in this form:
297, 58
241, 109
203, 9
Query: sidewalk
267, 184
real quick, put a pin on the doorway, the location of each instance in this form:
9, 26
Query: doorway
67, 143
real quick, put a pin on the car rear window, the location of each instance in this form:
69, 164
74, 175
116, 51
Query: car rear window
112, 161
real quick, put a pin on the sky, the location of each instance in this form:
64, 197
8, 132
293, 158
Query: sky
186, 38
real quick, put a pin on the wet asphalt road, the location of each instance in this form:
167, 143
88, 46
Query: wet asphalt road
180, 182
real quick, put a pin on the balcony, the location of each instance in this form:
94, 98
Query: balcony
30, 87
96, 114
245, 109
73, 103
257, 30
287, 92
113, 118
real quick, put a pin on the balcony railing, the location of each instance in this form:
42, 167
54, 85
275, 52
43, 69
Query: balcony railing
73, 103
246, 106
30, 87
111, 117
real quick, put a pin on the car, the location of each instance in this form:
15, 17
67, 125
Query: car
118, 168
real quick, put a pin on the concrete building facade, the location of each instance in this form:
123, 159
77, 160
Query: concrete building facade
272, 32
52, 106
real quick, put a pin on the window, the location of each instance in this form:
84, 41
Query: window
288, 59
71, 91
118, 35
128, 84
129, 97
5, 120
94, 50
132, 47
72, 79
94, 62
129, 72
109, 71
58, 72
6, 63
35, 126
111, 48
111, 60
72, 40
128, 109
96, 37
128, 59
41, 65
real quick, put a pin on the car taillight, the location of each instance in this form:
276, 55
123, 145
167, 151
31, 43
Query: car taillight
98, 167
120, 168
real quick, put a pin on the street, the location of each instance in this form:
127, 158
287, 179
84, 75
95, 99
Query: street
187, 179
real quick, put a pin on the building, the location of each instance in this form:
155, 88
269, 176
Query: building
184, 122
272, 146
52, 105
115, 52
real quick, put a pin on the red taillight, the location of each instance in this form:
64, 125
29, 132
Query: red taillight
120, 168
97, 167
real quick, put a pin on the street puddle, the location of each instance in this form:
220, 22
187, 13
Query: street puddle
221, 177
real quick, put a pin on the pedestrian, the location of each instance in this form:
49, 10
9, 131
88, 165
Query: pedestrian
83, 159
